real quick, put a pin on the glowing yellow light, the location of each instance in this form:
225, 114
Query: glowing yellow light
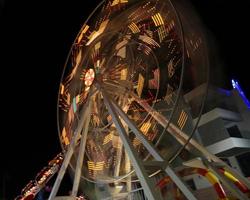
182, 119
95, 34
62, 89
77, 98
98, 63
64, 137
157, 19
71, 114
116, 2
134, 28
145, 127
97, 45
95, 166
140, 85
108, 138
124, 74
82, 33
68, 98
148, 40
162, 33
160, 20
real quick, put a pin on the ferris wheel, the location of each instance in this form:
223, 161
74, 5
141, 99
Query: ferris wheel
124, 115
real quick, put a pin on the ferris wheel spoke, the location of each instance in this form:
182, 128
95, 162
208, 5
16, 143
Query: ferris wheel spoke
176, 132
70, 151
92, 91
115, 87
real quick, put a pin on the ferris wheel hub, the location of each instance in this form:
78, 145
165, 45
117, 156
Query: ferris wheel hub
89, 77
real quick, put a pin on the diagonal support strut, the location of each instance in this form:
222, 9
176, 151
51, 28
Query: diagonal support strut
146, 183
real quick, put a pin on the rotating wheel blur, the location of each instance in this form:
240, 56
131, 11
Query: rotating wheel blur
147, 58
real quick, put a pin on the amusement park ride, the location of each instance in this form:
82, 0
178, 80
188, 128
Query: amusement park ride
125, 123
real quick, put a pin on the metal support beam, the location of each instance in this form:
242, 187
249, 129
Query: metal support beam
69, 153
153, 152
150, 147
118, 160
147, 144
177, 133
81, 151
146, 183
180, 184
127, 170
63, 167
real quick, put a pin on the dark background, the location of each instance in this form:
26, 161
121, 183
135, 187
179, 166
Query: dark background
37, 36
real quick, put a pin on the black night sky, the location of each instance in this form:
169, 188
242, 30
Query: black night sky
37, 36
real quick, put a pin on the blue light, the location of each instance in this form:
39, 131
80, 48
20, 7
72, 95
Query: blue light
233, 84
236, 86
